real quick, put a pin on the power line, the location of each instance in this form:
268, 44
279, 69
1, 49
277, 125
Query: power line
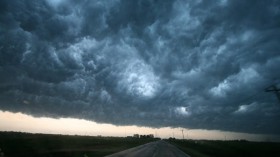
275, 90
268, 85
183, 134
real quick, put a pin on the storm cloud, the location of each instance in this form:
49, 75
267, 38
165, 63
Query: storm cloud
197, 64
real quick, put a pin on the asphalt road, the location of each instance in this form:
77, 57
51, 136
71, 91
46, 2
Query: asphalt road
153, 149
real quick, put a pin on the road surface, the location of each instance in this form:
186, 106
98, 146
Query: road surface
153, 149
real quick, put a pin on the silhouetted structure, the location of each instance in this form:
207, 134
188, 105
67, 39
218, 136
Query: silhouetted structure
147, 136
141, 136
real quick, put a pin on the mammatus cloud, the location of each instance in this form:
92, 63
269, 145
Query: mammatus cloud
196, 64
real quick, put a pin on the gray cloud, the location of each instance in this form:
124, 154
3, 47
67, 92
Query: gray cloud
195, 64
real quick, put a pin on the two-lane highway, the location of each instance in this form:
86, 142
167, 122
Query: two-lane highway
153, 149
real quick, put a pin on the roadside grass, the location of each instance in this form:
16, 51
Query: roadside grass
207, 148
14, 144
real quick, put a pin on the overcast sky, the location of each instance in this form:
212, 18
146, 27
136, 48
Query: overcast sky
198, 64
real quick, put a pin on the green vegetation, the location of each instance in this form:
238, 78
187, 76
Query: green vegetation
206, 148
14, 144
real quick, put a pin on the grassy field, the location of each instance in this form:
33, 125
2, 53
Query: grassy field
205, 148
14, 144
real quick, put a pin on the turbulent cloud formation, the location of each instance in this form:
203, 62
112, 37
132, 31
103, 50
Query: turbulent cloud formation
181, 63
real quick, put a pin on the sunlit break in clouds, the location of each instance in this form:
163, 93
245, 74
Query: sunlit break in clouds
200, 65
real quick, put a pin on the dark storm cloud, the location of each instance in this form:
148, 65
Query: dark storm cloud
195, 64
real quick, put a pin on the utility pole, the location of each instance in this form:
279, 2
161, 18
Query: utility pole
124, 132
156, 134
275, 90
183, 134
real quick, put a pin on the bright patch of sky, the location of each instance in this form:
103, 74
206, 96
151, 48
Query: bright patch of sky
70, 126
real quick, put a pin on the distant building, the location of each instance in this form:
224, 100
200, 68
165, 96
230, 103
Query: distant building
136, 135
147, 136
142, 136
151, 136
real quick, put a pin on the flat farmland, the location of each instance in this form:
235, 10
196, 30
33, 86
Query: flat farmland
235, 148
14, 144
